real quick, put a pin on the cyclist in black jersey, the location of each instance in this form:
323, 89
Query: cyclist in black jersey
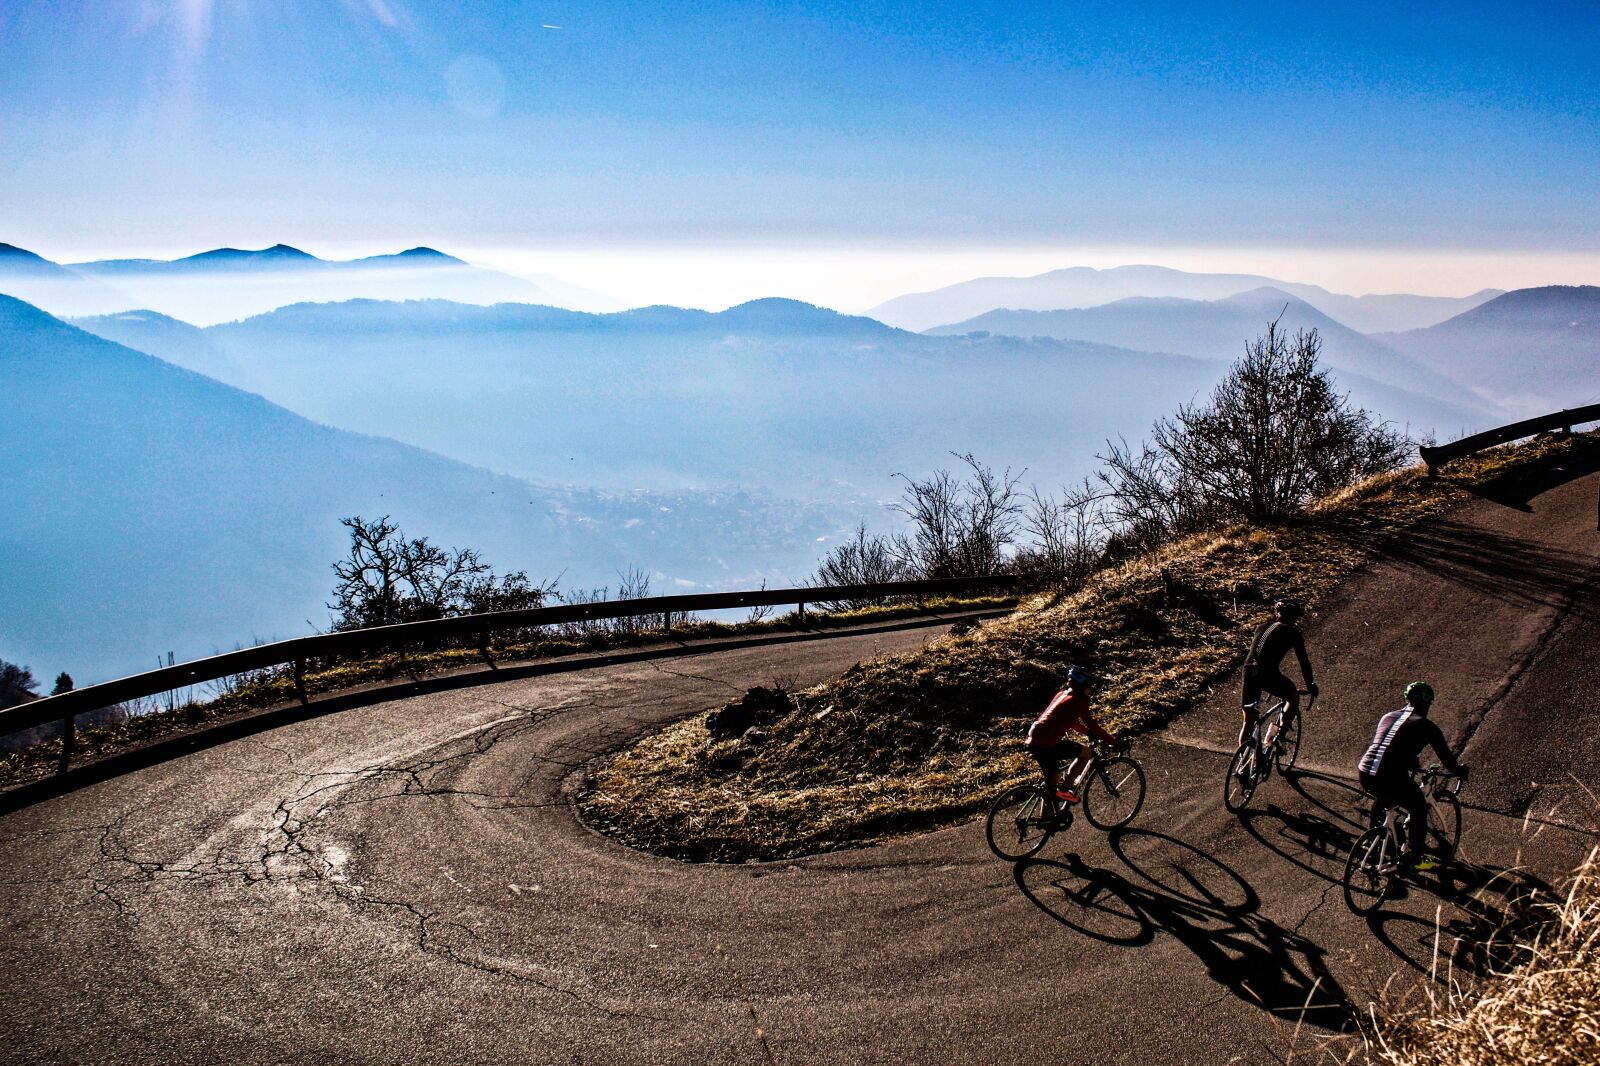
1391, 758
1263, 667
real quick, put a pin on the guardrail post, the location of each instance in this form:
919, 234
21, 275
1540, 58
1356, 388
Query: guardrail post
666, 621
483, 649
69, 737
800, 609
300, 681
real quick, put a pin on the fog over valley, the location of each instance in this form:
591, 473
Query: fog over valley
183, 436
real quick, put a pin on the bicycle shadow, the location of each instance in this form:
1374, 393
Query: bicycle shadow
1486, 902
1493, 908
1168, 886
1316, 840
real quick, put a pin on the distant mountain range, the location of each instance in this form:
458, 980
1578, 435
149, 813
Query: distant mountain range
230, 283
1532, 350
772, 394
1080, 287
1218, 329
278, 257
149, 508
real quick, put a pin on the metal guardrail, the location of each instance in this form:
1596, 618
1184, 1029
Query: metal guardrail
1562, 420
65, 707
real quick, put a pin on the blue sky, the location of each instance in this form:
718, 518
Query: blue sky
164, 126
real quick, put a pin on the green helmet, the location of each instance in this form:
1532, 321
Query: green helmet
1419, 692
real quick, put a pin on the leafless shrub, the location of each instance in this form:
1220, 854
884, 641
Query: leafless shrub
761, 612
864, 559
632, 584
1273, 436
1067, 535
959, 527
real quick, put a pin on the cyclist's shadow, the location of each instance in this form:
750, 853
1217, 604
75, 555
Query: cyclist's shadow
1494, 908
1169, 886
1318, 837
1485, 900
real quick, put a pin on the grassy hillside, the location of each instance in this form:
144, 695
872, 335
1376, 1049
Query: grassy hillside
912, 741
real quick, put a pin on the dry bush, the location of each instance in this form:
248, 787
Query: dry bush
1273, 436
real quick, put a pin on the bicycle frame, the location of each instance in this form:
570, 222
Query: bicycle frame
1398, 819
1271, 717
1098, 754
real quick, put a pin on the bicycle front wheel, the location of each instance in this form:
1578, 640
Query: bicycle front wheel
1444, 825
1289, 743
1114, 793
1365, 883
1017, 827
1241, 782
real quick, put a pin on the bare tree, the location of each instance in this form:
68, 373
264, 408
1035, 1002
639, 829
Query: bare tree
960, 528
864, 559
1273, 435
389, 578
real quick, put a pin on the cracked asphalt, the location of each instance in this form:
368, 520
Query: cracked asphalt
406, 881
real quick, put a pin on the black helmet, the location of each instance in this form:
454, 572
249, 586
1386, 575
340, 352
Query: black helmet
1289, 610
1419, 693
1077, 676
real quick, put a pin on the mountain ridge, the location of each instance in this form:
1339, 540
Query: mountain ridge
1533, 350
151, 507
1072, 288
772, 393
1217, 329
224, 284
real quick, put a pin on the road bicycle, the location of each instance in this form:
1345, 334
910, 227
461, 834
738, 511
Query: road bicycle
1374, 863
1275, 741
1025, 816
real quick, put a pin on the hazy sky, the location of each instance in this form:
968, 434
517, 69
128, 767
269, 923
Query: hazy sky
1430, 147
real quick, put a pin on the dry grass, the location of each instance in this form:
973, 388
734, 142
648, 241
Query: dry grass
1543, 1009
912, 741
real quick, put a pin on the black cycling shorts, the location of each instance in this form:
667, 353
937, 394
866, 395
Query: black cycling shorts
1269, 681
1049, 759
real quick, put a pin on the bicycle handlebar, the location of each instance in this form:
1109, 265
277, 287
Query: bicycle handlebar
1452, 782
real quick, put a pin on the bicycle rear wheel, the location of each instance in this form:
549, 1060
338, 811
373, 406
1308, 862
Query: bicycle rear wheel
1241, 781
1365, 884
1017, 827
1444, 825
1114, 793
1289, 743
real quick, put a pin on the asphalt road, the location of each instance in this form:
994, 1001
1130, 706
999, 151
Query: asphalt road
406, 882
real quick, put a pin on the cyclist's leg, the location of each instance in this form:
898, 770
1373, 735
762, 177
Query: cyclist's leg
1376, 789
1281, 687
1079, 765
1411, 798
1252, 704
1049, 760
